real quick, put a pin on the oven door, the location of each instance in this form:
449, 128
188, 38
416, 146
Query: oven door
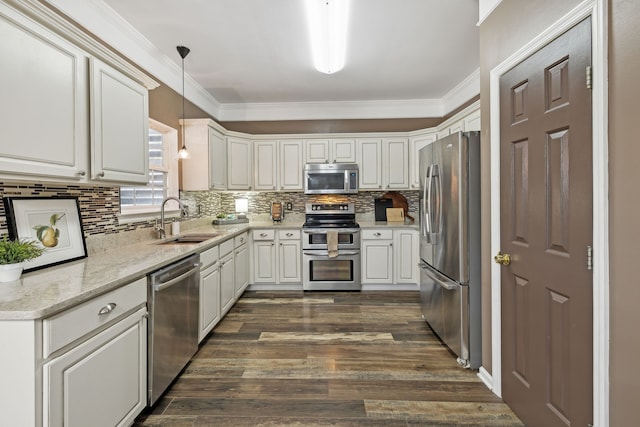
340, 273
316, 238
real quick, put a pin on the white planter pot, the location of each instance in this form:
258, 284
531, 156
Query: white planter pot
11, 272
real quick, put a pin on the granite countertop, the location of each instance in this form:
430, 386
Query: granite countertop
42, 293
385, 224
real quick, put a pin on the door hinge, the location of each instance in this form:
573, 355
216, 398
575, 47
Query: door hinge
589, 77
589, 258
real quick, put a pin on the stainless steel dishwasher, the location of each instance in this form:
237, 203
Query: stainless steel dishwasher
173, 322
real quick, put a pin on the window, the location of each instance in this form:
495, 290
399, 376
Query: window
163, 174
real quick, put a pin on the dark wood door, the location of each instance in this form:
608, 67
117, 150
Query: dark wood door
546, 228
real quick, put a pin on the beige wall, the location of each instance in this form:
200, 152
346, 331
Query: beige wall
513, 24
624, 178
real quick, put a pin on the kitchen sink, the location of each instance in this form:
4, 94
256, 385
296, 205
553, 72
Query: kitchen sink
189, 238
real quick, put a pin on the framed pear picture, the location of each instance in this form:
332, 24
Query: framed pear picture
53, 222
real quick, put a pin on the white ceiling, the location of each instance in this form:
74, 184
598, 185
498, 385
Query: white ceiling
404, 57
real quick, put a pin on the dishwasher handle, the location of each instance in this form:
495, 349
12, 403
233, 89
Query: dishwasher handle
164, 285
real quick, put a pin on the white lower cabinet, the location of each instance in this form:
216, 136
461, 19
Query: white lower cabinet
390, 256
289, 264
377, 256
276, 256
264, 256
209, 292
405, 254
101, 379
227, 273
241, 254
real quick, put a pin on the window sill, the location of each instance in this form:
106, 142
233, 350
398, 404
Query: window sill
146, 215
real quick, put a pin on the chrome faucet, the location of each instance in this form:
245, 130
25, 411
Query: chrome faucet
160, 227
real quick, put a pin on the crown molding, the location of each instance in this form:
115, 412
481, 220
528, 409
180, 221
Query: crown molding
331, 110
98, 18
463, 92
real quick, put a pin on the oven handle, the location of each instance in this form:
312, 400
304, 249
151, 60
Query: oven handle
326, 253
338, 229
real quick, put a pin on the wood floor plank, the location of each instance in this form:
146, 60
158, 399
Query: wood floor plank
326, 359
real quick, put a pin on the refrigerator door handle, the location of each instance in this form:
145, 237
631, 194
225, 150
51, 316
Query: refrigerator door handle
438, 229
429, 192
425, 224
439, 278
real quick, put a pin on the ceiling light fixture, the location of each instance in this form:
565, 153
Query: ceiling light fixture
183, 51
327, 21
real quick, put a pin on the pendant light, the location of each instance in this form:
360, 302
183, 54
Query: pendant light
183, 51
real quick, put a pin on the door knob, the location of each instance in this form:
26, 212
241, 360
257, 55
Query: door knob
504, 259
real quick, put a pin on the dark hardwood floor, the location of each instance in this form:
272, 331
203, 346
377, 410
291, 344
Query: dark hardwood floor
326, 359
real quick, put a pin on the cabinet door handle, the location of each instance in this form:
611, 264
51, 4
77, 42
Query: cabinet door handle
107, 308
100, 174
81, 173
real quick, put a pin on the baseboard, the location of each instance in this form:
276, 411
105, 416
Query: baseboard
275, 287
366, 287
390, 287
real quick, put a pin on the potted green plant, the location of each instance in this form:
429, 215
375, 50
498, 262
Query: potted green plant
13, 255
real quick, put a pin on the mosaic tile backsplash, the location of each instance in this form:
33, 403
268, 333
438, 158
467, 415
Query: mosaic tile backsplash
100, 205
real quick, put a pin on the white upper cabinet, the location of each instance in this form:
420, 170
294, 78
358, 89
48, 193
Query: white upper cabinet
206, 166
278, 165
343, 150
217, 160
317, 150
265, 155
119, 126
43, 106
396, 163
370, 163
464, 122
416, 143
65, 114
339, 150
291, 164
240, 164
472, 121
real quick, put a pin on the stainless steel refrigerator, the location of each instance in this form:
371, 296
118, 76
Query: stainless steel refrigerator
450, 243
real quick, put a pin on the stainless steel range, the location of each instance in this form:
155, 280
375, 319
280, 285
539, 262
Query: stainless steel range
331, 247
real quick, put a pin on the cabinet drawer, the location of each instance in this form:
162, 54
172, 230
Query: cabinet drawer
263, 234
209, 256
289, 234
226, 247
68, 326
241, 239
377, 234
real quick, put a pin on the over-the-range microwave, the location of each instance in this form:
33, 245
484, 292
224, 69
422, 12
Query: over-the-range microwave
331, 178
